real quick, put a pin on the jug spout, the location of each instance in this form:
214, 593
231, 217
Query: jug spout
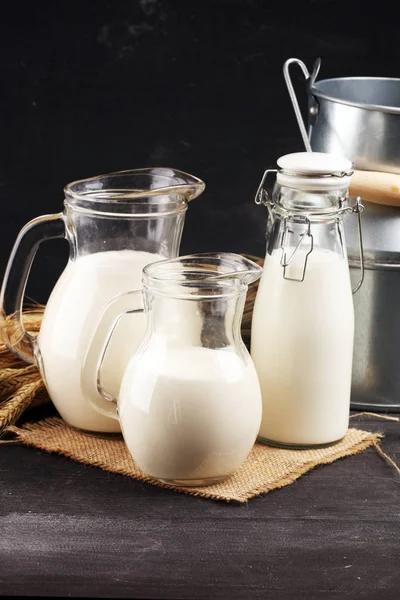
238, 267
145, 183
171, 181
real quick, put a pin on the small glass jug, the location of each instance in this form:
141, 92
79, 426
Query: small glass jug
303, 318
115, 224
190, 400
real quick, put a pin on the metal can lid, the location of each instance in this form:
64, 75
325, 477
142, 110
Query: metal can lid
314, 171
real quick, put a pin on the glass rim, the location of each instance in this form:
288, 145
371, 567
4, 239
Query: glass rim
203, 270
177, 182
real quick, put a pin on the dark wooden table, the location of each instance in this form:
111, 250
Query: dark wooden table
72, 530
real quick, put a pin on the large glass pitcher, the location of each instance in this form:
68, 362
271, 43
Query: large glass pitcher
190, 400
115, 225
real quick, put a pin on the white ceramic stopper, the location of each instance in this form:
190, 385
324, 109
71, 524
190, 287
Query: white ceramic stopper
314, 171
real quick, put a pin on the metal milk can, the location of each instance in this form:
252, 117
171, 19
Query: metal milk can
359, 118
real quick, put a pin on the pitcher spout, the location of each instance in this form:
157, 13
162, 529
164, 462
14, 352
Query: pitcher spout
170, 181
237, 266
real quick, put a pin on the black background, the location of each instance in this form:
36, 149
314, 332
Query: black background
92, 87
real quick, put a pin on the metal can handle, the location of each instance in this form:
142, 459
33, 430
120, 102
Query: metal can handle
293, 96
312, 103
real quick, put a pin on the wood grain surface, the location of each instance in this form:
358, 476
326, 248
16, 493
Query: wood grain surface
72, 530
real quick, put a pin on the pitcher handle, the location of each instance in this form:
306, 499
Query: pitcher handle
46, 227
99, 398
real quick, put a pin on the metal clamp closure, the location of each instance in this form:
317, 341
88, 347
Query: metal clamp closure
287, 233
262, 197
358, 208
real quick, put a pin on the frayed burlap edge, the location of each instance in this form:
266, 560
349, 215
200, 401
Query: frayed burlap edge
28, 435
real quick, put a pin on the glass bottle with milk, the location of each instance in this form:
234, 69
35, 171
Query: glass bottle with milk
190, 399
303, 319
115, 224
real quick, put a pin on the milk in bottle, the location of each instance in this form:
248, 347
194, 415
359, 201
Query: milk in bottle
303, 319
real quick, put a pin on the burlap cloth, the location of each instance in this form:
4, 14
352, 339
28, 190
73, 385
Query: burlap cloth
266, 468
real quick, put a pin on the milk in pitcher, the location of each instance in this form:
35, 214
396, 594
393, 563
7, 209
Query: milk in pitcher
73, 309
189, 412
115, 224
190, 399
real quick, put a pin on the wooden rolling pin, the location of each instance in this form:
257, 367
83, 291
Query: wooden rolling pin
374, 186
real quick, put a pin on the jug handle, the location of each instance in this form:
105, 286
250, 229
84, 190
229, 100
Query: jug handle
99, 398
14, 335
